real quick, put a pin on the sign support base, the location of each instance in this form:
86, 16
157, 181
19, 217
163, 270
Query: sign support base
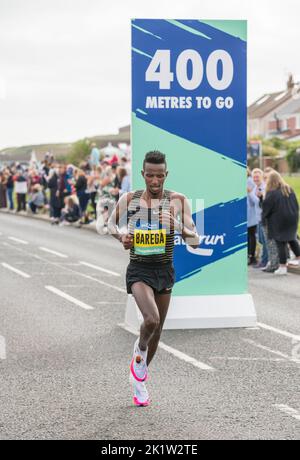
201, 312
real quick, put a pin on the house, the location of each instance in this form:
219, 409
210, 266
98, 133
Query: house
276, 114
285, 123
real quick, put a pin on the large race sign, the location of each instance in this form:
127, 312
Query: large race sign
189, 102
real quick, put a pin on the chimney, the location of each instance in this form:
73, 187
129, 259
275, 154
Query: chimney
290, 83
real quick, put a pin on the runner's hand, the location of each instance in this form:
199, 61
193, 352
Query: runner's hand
127, 241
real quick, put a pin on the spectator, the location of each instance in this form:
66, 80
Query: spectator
71, 211
33, 179
93, 186
82, 194
260, 186
94, 157
252, 219
55, 199
52, 182
10, 188
273, 258
37, 199
121, 183
21, 190
69, 180
106, 200
45, 171
114, 160
281, 210
3, 185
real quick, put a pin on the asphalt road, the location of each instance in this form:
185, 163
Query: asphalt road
64, 360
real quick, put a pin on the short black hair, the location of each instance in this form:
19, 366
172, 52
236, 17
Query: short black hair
155, 157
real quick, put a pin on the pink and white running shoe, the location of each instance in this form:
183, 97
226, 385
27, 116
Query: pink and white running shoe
138, 365
140, 393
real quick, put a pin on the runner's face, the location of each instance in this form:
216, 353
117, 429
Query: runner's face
155, 176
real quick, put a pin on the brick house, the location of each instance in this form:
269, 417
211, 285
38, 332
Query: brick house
276, 114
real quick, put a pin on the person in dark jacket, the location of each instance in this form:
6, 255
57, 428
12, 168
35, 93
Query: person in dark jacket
281, 211
82, 194
56, 196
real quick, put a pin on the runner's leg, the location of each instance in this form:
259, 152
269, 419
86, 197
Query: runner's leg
144, 297
162, 302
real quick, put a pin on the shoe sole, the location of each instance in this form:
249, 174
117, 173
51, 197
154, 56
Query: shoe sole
137, 403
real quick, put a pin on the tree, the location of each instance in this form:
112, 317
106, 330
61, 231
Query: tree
293, 156
269, 151
79, 152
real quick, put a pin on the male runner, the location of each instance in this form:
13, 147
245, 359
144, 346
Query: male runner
153, 215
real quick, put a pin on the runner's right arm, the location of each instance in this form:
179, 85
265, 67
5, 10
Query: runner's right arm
113, 222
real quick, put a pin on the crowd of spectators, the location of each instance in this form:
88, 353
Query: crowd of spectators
69, 194
273, 216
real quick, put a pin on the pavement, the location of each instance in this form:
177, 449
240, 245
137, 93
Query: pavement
64, 358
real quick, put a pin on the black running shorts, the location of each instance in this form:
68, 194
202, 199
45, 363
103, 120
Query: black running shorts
160, 278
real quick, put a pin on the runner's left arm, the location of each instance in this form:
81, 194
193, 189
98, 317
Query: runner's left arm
188, 228
181, 219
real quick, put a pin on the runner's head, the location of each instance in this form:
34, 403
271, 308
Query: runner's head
154, 172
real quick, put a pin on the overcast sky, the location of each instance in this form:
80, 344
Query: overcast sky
65, 64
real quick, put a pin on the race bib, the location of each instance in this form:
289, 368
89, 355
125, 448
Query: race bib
149, 239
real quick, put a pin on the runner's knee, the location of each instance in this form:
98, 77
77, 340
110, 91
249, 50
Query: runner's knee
152, 322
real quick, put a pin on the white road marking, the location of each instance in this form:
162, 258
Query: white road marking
274, 352
178, 354
101, 269
15, 270
101, 282
74, 286
59, 254
114, 303
236, 358
71, 264
69, 269
279, 331
17, 240
288, 411
27, 263
69, 298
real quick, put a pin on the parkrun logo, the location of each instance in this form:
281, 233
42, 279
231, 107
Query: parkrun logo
205, 240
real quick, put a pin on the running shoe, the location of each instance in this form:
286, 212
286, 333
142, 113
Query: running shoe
138, 366
281, 271
140, 393
294, 263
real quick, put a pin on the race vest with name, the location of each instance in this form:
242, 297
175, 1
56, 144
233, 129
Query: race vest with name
149, 239
152, 242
